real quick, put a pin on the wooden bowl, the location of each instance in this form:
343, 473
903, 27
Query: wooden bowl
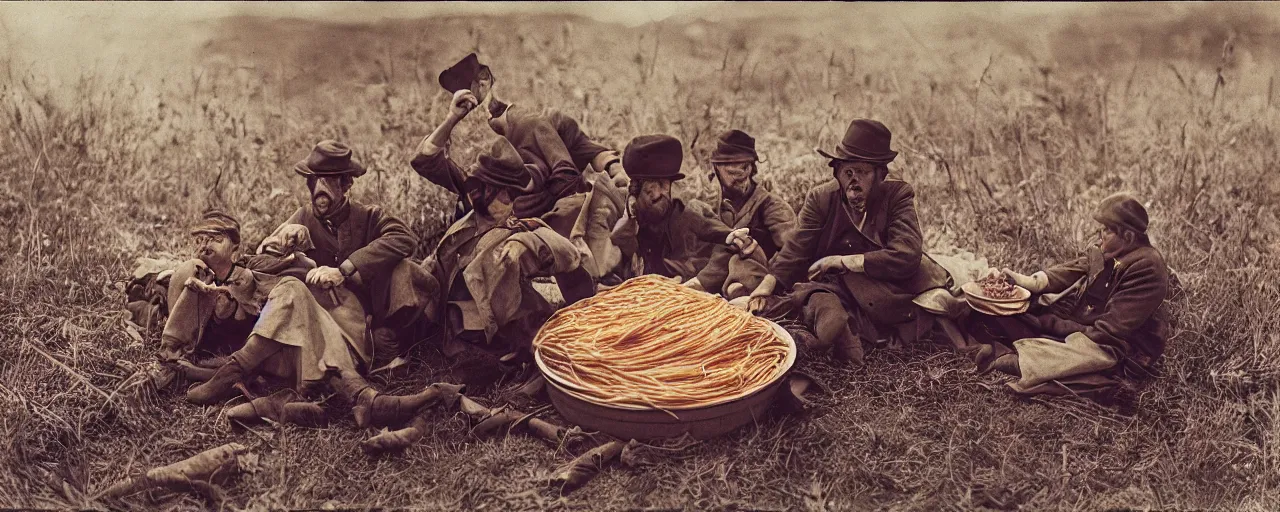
626, 421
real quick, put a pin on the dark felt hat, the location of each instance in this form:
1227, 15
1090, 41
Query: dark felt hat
864, 141
502, 167
329, 158
218, 222
653, 157
463, 74
735, 146
1122, 211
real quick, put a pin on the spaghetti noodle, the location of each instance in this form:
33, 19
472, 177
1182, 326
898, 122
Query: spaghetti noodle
650, 342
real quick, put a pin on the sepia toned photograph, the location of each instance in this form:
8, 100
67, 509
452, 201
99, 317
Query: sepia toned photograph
765, 256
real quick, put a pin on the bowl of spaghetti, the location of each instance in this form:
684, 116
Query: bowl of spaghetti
652, 359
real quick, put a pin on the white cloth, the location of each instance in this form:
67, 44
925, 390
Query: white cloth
1042, 360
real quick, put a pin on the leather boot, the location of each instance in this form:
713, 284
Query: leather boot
220, 387
372, 408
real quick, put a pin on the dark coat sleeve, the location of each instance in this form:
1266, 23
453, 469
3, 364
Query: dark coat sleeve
1063, 275
563, 177
791, 264
441, 170
581, 148
393, 243
714, 232
779, 219
903, 242
1139, 293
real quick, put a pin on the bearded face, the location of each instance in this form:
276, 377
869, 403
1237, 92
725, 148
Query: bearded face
651, 200
857, 181
491, 202
735, 178
328, 193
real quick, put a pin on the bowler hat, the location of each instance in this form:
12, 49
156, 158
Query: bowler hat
864, 141
463, 74
501, 167
1122, 211
735, 146
218, 222
329, 158
653, 157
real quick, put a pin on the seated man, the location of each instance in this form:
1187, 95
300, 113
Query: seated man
362, 248
485, 262
744, 205
658, 234
217, 324
579, 205
856, 260
1107, 306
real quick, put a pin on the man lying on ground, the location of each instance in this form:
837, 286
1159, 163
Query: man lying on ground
1104, 319
856, 260
744, 204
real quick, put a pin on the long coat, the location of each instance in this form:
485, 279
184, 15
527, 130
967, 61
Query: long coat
377, 244
896, 269
1117, 303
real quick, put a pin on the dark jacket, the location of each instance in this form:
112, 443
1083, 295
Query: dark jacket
680, 246
770, 222
373, 240
896, 268
1117, 303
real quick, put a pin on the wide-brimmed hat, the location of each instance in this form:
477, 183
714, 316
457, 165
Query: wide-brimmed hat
864, 141
501, 167
217, 222
734, 146
329, 158
463, 74
653, 157
1122, 211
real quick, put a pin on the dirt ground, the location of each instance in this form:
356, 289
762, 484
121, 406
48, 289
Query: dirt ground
1011, 126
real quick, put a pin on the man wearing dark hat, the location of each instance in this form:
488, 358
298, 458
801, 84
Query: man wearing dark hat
486, 261
1103, 317
658, 234
360, 247
856, 260
746, 205
579, 204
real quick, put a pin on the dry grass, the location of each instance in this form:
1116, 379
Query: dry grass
1009, 138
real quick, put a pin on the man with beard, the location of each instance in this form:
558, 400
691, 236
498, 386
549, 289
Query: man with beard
744, 205
486, 260
658, 235
1103, 314
578, 204
856, 259
360, 247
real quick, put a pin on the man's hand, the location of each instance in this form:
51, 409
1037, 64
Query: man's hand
462, 104
513, 252
199, 286
1034, 283
849, 263
741, 241
694, 284
757, 298
325, 277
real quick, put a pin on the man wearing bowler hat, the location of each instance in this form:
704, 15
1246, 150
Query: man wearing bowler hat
744, 204
486, 261
575, 201
658, 235
856, 259
360, 247
1095, 319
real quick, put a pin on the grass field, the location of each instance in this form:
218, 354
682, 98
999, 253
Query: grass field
1011, 128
